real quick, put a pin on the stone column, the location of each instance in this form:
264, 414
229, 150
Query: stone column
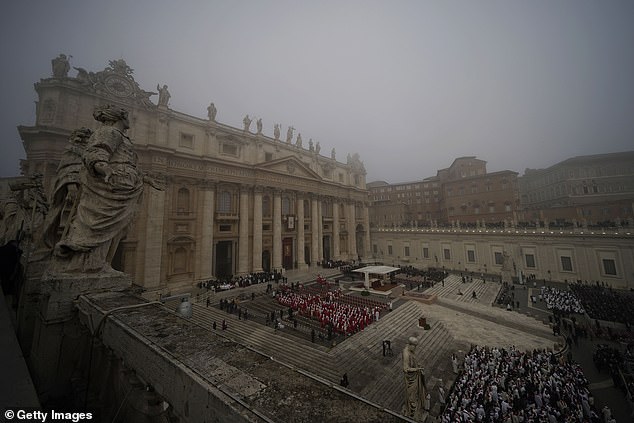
320, 225
257, 230
301, 260
314, 244
366, 225
243, 241
277, 230
205, 244
336, 254
352, 236
153, 238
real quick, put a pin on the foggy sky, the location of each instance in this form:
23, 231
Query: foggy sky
409, 85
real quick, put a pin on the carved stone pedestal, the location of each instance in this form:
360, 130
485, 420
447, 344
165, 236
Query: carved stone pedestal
59, 341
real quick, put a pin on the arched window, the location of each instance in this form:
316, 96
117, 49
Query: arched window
266, 206
224, 202
182, 201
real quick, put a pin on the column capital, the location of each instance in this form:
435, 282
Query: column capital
207, 184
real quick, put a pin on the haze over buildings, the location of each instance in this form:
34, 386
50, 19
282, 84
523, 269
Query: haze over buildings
408, 85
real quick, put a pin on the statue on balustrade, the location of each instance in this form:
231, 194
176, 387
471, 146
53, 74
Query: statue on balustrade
111, 187
66, 187
415, 390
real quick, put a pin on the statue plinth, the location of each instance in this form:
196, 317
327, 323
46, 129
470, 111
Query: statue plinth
59, 291
59, 340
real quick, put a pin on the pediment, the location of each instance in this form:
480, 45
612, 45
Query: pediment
290, 166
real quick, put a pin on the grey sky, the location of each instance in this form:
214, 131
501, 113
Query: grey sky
409, 85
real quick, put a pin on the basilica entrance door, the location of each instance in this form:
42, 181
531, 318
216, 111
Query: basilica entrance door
224, 259
326, 247
266, 260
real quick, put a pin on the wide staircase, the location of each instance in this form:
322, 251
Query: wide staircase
380, 379
453, 288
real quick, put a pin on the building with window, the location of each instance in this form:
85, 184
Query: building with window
558, 255
462, 193
235, 202
590, 189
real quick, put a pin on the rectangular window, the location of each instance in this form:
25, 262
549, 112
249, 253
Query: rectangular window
471, 256
187, 140
406, 251
499, 259
566, 264
530, 260
389, 250
609, 267
425, 252
225, 228
230, 149
268, 157
447, 253
374, 248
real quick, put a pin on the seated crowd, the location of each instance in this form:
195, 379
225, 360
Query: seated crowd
561, 301
604, 303
500, 385
328, 310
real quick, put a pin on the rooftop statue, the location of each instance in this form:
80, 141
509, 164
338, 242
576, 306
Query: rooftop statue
111, 186
258, 124
276, 131
66, 187
317, 147
333, 154
311, 146
164, 95
298, 143
60, 66
211, 112
289, 134
247, 122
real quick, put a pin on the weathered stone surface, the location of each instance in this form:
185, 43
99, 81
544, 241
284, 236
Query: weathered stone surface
208, 377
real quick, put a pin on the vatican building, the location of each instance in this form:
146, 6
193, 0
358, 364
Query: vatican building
235, 201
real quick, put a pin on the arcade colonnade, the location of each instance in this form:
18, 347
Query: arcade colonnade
213, 229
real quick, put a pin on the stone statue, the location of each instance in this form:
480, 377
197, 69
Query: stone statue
289, 134
276, 131
506, 262
164, 95
66, 187
111, 186
211, 112
333, 154
258, 124
247, 122
60, 66
311, 146
415, 390
317, 147
298, 143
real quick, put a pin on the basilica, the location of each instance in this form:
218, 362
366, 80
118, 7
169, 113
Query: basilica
235, 200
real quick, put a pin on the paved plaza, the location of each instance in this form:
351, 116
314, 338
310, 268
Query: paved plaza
456, 320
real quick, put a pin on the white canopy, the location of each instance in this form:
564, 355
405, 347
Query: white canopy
374, 270
377, 270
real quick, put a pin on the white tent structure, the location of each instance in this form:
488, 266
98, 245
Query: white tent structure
380, 271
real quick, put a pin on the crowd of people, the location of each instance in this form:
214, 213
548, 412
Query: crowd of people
343, 318
604, 303
507, 385
565, 302
242, 281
